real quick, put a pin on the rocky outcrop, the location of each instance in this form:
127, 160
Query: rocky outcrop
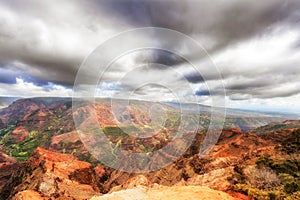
139, 180
38, 117
164, 192
2, 124
233, 148
8, 165
20, 108
29, 194
53, 175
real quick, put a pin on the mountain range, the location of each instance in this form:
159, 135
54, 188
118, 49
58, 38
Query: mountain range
43, 157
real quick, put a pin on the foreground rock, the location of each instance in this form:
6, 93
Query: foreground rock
29, 194
233, 148
60, 176
8, 165
164, 192
52, 175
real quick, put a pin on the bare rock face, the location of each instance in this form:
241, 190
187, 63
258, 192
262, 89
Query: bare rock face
29, 194
164, 192
2, 124
50, 175
233, 148
20, 108
8, 165
139, 180
213, 179
53, 175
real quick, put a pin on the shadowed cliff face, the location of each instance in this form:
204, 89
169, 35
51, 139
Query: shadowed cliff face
8, 165
2, 125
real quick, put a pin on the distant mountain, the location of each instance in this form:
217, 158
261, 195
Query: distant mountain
6, 101
48, 122
278, 126
235, 112
244, 120
21, 107
237, 164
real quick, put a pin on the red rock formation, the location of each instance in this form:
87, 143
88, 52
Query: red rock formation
166, 193
7, 166
54, 175
18, 134
29, 195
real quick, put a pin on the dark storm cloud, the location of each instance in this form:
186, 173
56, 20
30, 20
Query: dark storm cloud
297, 45
249, 84
202, 93
264, 93
210, 75
267, 85
137, 12
194, 78
50, 39
263, 86
9, 73
38, 74
47, 41
7, 76
162, 57
225, 21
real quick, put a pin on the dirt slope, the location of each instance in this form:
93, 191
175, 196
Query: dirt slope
167, 193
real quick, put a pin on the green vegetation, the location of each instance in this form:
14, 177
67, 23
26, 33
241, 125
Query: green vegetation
289, 166
33, 134
292, 143
22, 150
275, 127
269, 179
5, 132
116, 132
259, 194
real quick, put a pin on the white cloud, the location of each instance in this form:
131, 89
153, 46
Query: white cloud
52, 37
260, 53
28, 89
252, 44
283, 104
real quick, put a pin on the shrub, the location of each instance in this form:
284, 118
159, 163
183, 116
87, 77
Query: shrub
290, 166
262, 178
292, 187
295, 196
292, 143
265, 161
284, 178
33, 134
257, 193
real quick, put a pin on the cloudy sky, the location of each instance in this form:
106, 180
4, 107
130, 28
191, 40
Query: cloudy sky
254, 45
